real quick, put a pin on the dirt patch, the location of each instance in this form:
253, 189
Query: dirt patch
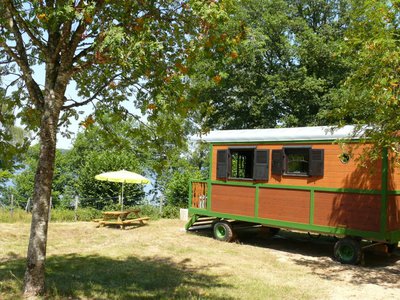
378, 276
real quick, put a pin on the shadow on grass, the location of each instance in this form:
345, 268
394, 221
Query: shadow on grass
97, 277
316, 253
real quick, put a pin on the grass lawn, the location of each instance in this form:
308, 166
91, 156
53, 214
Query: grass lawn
157, 261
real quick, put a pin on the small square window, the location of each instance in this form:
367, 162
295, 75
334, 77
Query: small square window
242, 163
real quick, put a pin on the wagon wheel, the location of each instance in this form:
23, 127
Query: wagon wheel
223, 231
348, 251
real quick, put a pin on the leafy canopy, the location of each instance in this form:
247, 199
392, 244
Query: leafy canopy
283, 70
370, 94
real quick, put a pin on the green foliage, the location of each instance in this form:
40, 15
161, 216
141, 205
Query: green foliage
141, 52
170, 212
81, 214
100, 193
13, 140
283, 70
62, 190
173, 182
177, 188
370, 94
150, 211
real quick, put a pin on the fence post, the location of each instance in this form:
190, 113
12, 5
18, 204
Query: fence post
76, 207
28, 205
161, 203
12, 206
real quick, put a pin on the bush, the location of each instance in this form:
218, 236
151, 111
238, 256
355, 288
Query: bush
170, 212
86, 214
153, 212
68, 215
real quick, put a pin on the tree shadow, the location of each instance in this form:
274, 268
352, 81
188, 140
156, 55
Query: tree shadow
74, 276
316, 253
376, 268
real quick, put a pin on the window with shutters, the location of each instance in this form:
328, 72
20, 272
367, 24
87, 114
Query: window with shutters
298, 161
242, 163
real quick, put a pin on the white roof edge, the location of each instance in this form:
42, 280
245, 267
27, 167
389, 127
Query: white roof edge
317, 133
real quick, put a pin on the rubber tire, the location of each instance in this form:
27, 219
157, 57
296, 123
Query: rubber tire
348, 251
223, 231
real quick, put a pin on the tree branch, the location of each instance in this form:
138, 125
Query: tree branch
36, 41
32, 86
22, 60
99, 90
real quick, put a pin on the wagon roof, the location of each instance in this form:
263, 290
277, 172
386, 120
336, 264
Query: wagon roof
317, 133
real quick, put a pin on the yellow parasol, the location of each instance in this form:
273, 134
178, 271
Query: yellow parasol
122, 176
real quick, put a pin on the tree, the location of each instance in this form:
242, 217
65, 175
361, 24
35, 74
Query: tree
100, 194
112, 50
370, 94
62, 182
13, 140
284, 67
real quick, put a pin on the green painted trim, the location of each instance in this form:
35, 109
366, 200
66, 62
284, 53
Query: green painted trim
190, 193
394, 237
209, 190
393, 192
308, 142
210, 158
295, 187
312, 206
256, 201
370, 235
192, 220
384, 190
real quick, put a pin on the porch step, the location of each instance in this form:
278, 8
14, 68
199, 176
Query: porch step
202, 223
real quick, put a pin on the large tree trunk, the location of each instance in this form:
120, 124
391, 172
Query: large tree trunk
34, 281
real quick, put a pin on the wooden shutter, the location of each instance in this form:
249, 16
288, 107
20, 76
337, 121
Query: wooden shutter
316, 162
277, 162
222, 164
261, 161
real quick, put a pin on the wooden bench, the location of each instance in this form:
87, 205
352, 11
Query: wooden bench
123, 222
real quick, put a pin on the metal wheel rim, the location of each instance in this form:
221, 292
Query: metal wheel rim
346, 252
220, 231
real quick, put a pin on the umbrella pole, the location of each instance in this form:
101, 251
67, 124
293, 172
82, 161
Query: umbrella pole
122, 197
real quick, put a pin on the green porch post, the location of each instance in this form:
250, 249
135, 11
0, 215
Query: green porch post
384, 191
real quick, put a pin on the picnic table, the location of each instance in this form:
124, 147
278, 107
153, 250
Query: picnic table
121, 218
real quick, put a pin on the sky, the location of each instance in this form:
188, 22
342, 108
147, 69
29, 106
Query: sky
62, 142
75, 128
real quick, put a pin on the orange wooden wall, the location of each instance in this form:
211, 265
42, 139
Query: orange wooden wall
333, 209
284, 205
236, 200
346, 210
336, 174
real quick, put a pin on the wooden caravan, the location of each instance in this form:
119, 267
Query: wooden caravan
300, 179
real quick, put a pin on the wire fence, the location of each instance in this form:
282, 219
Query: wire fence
13, 208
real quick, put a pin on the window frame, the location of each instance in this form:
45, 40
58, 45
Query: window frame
259, 168
286, 161
249, 149
316, 161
